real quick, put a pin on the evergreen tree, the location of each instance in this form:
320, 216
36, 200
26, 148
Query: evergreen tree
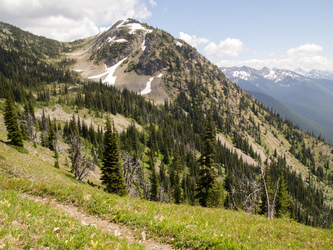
215, 197
164, 195
207, 173
176, 168
153, 178
56, 164
51, 139
44, 130
23, 130
14, 133
282, 201
177, 193
112, 172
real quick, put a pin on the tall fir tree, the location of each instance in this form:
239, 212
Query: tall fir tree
176, 165
14, 133
153, 178
207, 173
112, 171
282, 199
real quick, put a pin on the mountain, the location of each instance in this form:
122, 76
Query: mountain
164, 98
311, 98
316, 74
142, 59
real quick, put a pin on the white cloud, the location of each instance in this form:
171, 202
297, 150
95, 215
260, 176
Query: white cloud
304, 56
192, 40
230, 47
304, 50
69, 20
63, 29
152, 3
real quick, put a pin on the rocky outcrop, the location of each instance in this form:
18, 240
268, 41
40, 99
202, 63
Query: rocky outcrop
151, 67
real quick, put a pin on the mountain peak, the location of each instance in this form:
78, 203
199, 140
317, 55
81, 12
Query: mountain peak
320, 74
132, 25
130, 53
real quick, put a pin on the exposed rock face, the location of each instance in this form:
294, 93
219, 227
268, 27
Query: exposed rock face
152, 66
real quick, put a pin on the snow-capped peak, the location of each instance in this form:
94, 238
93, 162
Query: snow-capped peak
300, 71
133, 26
281, 77
243, 73
271, 75
320, 74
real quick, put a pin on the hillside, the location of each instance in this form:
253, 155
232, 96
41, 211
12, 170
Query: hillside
47, 201
158, 90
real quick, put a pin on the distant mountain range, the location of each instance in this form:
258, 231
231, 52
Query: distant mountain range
306, 98
316, 74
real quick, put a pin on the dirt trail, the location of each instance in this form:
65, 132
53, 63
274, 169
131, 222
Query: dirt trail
105, 225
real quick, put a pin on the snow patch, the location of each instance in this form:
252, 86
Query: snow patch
143, 45
147, 89
133, 27
280, 75
109, 40
160, 75
121, 24
78, 70
271, 75
121, 40
110, 79
179, 44
242, 75
100, 75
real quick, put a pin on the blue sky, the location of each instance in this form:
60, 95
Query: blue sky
256, 33
285, 34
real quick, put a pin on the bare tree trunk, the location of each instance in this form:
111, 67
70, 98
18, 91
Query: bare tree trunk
233, 198
81, 166
133, 175
247, 188
31, 128
270, 207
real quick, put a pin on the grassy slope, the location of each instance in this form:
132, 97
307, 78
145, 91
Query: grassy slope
180, 225
26, 224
